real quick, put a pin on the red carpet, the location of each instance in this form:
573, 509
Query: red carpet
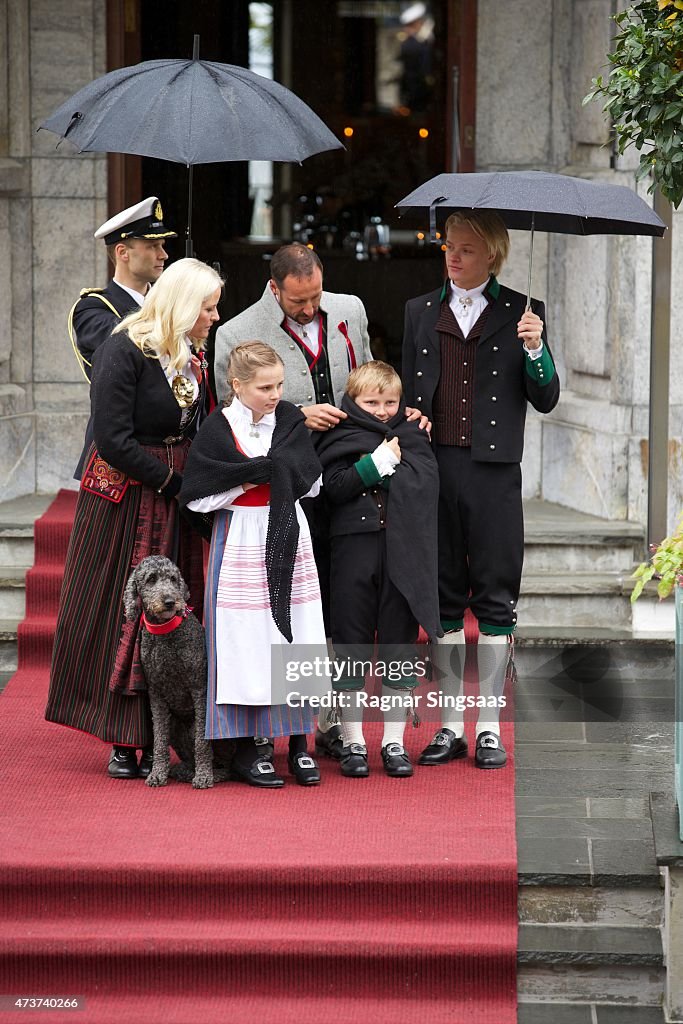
378, 900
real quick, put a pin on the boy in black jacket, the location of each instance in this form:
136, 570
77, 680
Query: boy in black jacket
381, 480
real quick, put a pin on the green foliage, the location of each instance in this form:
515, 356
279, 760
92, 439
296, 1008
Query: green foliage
666, 564
644, 91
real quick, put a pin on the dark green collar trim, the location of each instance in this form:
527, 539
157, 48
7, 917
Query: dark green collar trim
492, 288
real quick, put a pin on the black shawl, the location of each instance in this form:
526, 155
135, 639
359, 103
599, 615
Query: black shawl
291, 467
413, 498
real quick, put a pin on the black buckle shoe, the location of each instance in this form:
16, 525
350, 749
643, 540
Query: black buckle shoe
445, 747
489, 751
304, 769
396, 762
260, 772
123, 763
146, 761
330, 743
354, 761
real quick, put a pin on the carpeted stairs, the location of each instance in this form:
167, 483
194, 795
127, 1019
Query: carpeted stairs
376, 900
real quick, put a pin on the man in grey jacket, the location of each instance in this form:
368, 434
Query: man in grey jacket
320, 336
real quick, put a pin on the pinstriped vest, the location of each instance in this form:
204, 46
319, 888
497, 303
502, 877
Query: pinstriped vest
453, 399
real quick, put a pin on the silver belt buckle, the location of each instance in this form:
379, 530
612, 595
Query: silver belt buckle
172, 440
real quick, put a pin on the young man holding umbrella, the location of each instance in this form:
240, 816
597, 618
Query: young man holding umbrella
473, 357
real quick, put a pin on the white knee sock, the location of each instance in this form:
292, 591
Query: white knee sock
395, 717
448, 658
492, 659
352, 729
327, 717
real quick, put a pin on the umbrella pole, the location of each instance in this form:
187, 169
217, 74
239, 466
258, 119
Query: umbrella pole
531, 257
188, 236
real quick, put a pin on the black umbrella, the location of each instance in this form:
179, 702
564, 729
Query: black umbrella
537, 200
191, 112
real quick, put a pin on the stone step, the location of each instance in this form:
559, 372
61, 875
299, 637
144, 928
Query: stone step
621, 984
8, 645
16, 545
13, 591
587, 1013
589, 945
591, 906
579, 557
16, 555
598, 964
558, 539
574, 599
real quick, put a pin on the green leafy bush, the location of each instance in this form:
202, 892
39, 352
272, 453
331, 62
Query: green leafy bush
644, 91
666, 563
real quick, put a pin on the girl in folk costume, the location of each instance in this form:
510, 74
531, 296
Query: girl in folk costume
251, 463
148, 396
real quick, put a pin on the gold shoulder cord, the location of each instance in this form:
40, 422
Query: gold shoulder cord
82, 361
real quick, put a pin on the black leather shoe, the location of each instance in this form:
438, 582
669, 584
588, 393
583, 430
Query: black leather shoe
260, 772
330, 743
354, 761
123, 763
445, 747
304, 769
145, 766
489, 752
396, 762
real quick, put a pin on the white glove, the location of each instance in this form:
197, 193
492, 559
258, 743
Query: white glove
385, 460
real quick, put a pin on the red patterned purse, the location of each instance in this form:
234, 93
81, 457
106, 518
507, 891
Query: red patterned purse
107, 481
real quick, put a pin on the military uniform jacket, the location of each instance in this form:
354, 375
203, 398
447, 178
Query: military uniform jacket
505, 378
263, 322
94, 321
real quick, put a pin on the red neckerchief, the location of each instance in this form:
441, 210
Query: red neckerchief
316, 355
159, 628
343, 328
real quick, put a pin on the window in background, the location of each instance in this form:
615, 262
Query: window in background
261, 171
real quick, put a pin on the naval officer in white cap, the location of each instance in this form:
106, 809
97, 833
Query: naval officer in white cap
135, 245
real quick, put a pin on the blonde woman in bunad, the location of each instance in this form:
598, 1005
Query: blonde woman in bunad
252, 462
148, 397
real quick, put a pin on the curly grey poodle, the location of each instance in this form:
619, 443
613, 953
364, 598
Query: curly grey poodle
173, 657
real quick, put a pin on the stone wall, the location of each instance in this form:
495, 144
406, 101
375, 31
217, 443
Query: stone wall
50, 202
535, 62
536, 59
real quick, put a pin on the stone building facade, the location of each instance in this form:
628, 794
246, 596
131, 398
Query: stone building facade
535, 60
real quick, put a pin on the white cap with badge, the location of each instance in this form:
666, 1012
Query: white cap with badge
144, 220
413, 13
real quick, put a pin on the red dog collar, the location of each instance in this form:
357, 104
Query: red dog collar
159, 628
